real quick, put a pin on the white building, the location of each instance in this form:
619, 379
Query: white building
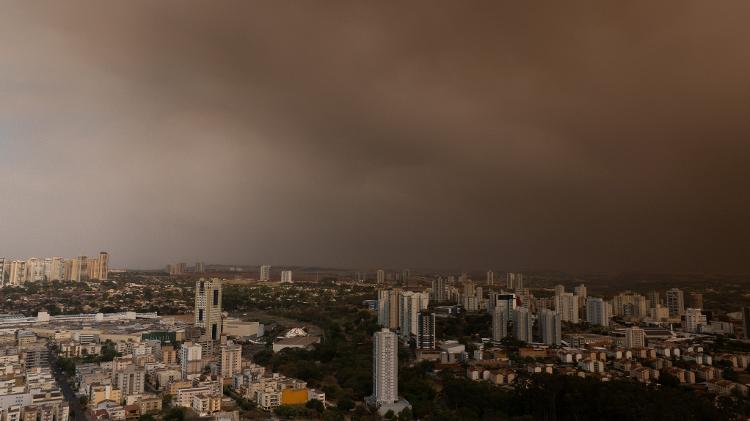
190, 358
522, 324
410, 305
381, 276
598, 311
208, 307
694, 320
286, 276
566, 305
265, 273
635, 337
385, 368
500, 321
675, 302
514, 281
550, 327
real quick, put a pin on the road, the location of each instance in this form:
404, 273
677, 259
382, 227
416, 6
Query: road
78, 411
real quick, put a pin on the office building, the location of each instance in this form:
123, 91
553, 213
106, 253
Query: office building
286, 276
675, 302
597, 312
522, 324
566, 305
385, 368
426, 330
490, 277
265, 273
208, 307
550, 327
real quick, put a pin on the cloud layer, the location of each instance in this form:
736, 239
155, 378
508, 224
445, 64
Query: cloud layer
498, 135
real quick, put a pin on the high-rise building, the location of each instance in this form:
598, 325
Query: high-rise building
381, 276
265, 273
550, 327
696, 300
694, 320
426, 330
34, 270
653, 299
208, 307
597, 311
505, 302
675, 302
2, 272
746, 322
472, 296
177, 269
559, 289
57, 269
500, 321
394, 298
580, 291
103, 266
230, 360
566, 304
635, 337
385, 368
200, 267
130, 380
629, 305
17, 273
439, 290
383, 307
286, 276
73, 270
411, 305
405, 275
514, 281
522, 324
490, 277
190, 358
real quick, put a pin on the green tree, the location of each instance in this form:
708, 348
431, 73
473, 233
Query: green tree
315, 405
345, 404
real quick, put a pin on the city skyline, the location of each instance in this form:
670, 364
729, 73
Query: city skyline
504, 135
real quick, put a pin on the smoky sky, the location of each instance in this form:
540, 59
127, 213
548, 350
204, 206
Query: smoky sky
506, 135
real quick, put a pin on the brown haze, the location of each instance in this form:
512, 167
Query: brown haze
506, 135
